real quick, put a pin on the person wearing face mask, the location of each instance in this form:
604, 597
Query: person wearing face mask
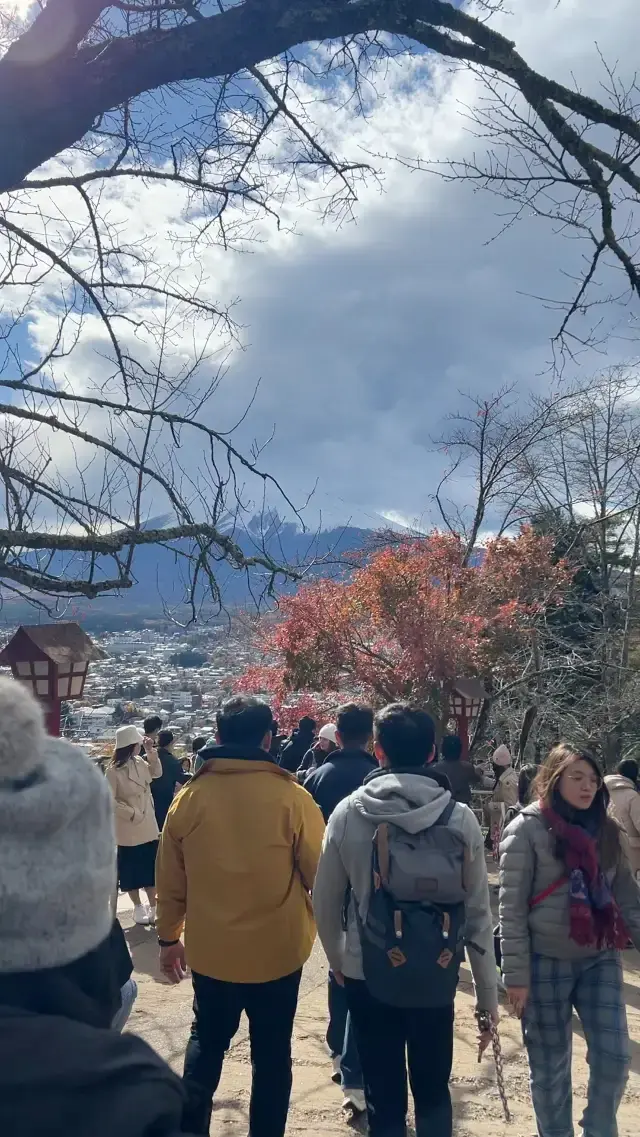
568, 904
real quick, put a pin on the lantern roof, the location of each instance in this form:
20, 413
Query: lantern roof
469, 688
64, 644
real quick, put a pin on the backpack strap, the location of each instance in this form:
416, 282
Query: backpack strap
446, 813
381, 839
535, 900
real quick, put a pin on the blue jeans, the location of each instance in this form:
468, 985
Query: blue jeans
340, 1037
128, 995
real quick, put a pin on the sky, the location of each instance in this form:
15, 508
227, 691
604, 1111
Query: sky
364, 336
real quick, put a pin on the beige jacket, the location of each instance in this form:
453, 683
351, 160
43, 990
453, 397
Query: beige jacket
131, 786
625, 807
503, 798
506, 791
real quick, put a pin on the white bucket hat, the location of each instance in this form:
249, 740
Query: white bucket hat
128, 736
329, 730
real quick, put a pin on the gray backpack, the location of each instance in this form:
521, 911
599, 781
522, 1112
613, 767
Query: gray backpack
412, 936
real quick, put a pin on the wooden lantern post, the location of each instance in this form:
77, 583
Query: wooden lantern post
467, 697
52, 660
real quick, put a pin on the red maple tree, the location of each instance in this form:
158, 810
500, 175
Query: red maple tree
408, 622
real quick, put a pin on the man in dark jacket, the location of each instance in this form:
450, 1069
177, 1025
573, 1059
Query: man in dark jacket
277, 741
301, 740
346, 769
463, 776
164, 788
340, 774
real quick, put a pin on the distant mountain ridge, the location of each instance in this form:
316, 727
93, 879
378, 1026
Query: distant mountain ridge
160, 572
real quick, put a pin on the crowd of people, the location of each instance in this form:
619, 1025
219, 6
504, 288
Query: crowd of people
358, 831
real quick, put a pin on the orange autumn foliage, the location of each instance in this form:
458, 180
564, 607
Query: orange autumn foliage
411, 620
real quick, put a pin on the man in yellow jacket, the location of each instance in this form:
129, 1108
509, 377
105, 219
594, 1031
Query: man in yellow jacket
236, 865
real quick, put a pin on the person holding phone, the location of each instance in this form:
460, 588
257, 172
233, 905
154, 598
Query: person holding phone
130, 777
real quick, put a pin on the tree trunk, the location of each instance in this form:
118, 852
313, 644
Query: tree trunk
480, 728
528, 720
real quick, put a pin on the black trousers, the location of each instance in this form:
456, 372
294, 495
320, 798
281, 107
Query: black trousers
386, 1037
217, 1007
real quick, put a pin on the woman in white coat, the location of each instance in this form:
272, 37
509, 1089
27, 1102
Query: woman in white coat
130, 777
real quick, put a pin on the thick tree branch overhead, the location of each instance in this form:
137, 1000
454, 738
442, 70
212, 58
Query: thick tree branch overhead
54, 85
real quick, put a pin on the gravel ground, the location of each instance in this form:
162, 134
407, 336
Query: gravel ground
162, 1016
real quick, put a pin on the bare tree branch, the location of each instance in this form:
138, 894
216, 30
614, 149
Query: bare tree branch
91, 87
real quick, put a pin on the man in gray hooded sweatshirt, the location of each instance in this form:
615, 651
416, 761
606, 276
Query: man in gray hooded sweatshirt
403, 793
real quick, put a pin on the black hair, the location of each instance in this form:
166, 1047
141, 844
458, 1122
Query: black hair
165, 738
123, 754
274, 727
451, 748
307, 725
628, 768
152, 724
243, 721
198, 743
405, 733
354, 723
525, 781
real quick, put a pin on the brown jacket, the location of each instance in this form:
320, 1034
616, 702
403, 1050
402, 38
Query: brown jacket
134, 810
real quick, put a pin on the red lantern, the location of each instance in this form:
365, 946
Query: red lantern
467, 697
52, 659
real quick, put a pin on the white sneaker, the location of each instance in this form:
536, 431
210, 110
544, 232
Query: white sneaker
140, 914
152, 913
355, 1101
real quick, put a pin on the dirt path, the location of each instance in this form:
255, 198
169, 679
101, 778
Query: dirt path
162, 1016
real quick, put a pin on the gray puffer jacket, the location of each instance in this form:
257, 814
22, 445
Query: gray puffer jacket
528, 867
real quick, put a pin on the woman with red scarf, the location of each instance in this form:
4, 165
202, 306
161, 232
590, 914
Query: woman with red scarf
568, 904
